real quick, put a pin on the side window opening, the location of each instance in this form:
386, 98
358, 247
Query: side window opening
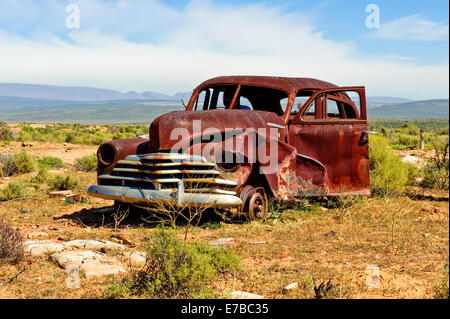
220, 101
333, 111
311, 111
219, 97
300, 100
284, 103
336, 105
261, 99
202, 101
244, 104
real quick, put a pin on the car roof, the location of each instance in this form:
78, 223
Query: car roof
288, 84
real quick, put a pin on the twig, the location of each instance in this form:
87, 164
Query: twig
21, 198
12, 279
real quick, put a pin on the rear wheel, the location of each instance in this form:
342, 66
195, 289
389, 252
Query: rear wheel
256, 205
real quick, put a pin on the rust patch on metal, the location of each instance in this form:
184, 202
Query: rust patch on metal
319, 152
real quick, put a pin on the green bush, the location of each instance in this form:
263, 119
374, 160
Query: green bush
436, 170
25, 163
50, 162
42, 176
5, 133
388, 174
410, 129
58, 182
87, 163
220, 258
14, 190
175, 269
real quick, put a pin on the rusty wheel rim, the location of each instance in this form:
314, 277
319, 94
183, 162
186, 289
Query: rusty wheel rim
258, 206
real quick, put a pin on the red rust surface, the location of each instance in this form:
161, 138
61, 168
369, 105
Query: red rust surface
314, 157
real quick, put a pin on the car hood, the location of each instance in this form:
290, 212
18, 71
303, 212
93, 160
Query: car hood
193, 122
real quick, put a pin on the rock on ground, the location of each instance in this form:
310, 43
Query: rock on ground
223, 242
244, 295
40, 247
90, 263
92, 244
134, 258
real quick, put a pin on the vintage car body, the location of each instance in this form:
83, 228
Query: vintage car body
296, 137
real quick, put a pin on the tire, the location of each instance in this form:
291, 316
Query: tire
256, 204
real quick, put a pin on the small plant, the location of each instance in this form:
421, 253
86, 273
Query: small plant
175, 269
388, 174
58, 182
11, 244
436, 171
25, 163
222, 259
87, 163
50, 162
8, 166
43, 176
441, 291
14, 190
5, 132
171, 213
211, 225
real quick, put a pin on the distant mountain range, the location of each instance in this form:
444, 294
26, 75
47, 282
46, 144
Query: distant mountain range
386, 100
82, 94
417, 109
49, 103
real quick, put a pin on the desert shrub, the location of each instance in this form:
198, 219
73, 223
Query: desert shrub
8, 166
436, 170
220, 258
410, 129
50, 162
14, 190
175, 269
87, 163
404, 141
70, 138
6, 134
388, 174
11, 244
441, 291
58, 182
42, 176
25, 162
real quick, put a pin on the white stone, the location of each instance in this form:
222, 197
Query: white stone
75, 257
91, 264
92, 244
135, 258
40, 247
244, 295
290, 287
222, 242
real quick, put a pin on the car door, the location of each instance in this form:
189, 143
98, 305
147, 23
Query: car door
330, 135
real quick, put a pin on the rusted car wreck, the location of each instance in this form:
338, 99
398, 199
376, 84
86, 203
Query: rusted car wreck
241, 140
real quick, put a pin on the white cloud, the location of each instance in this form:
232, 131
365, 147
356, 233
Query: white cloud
200, 41
412, 28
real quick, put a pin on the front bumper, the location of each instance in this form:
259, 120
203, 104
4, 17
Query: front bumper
180, 179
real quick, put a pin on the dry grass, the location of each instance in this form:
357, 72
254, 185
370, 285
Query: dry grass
407, 238
11, 244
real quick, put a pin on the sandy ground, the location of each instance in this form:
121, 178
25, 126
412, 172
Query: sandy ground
67, 152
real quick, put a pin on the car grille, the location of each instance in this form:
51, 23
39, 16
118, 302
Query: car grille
164, 171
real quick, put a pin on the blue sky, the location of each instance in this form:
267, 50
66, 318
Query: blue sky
171, 46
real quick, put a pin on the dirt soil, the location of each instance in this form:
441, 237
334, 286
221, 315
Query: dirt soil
66, 152
405, 238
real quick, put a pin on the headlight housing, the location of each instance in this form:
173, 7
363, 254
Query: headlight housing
106, 154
